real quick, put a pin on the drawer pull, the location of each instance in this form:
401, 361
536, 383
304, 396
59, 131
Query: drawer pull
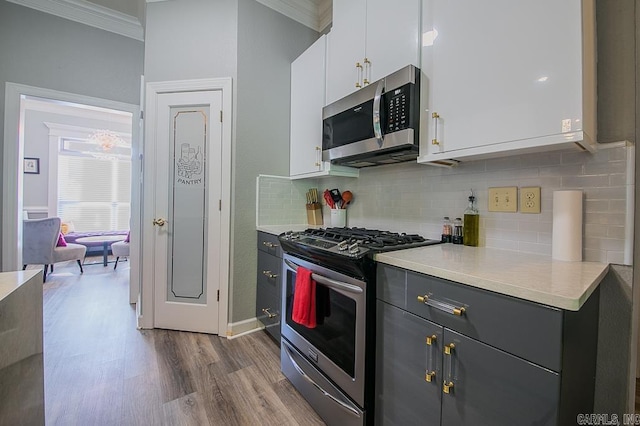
431, 339
443, 306
430, 376
269, 274
268, 314
449, 348
435, 117
447, 387
269, 244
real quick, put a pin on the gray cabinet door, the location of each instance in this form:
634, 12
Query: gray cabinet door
268, 292
492, 387
404, 358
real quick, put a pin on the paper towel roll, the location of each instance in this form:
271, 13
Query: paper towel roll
567, 226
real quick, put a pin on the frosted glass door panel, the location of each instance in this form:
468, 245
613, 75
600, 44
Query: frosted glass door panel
502, 70
187, 205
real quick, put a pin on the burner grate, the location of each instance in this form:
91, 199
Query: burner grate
372, 238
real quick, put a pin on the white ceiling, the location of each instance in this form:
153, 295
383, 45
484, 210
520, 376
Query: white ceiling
126, 17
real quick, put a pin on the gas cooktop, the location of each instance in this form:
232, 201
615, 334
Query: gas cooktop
351, 242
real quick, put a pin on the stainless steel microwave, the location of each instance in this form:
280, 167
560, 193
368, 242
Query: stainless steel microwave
377, 124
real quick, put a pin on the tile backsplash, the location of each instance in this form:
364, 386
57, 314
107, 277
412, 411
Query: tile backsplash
411, 197
280, 200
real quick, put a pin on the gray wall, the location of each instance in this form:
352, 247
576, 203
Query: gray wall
255, 46
188, 39
616, 70
267, 44
42, 50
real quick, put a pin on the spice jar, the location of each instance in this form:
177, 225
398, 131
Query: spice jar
447, 230
457, 231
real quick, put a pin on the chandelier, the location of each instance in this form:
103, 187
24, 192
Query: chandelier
107, 144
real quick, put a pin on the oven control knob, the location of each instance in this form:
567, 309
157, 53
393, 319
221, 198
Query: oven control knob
343, 245
354, 248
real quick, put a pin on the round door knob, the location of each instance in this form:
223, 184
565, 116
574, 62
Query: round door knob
160, 221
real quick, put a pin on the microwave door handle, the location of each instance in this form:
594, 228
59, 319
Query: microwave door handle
350, 288
377, 128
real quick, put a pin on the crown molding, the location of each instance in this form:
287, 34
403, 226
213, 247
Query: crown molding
90, 14
311, 13
325, 14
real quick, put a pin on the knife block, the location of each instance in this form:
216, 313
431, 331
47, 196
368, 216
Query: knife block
314, 214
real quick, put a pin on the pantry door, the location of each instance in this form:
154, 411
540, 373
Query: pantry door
187, 224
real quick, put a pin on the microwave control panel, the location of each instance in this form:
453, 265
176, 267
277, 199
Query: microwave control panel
398, 109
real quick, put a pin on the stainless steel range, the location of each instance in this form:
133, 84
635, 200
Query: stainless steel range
332, 363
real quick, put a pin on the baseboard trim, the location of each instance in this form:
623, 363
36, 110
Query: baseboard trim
242, 328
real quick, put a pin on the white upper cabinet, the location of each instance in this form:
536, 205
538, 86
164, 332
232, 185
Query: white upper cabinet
503, 76
369, 40
307, 100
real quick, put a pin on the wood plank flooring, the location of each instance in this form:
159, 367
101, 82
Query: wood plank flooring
637, 396
100, 370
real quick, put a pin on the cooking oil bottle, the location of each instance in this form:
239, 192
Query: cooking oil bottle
471, 228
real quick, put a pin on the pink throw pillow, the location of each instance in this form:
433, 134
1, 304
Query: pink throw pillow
126, 240
61, 241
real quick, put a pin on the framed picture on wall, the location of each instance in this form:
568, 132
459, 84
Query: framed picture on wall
32, 165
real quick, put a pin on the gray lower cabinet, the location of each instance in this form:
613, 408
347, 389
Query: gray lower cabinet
269, 275
503, 361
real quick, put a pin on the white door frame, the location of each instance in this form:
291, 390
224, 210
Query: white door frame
12, 173
153, 90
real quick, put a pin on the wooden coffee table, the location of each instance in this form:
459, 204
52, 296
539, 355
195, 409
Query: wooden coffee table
106, 241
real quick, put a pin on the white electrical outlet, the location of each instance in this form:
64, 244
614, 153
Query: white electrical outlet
503, 199
530, 199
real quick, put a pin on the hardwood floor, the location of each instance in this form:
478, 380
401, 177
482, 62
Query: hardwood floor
100, 370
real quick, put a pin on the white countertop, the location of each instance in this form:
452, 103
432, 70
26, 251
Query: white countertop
10, 281
565, 285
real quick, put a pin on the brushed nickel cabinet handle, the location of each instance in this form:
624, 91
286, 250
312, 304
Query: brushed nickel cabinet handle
268, 313
269, 274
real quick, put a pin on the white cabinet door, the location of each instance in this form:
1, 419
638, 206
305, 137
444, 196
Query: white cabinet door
346, 47
502, 72
383, 33
307, 99
393, 36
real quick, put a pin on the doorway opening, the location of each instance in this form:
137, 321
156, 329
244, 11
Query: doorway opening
42, 122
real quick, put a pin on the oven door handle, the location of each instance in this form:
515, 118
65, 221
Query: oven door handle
317, 386
326, 281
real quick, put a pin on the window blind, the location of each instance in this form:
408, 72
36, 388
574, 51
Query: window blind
93, 193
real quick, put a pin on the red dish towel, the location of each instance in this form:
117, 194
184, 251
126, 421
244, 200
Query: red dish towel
304, 299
